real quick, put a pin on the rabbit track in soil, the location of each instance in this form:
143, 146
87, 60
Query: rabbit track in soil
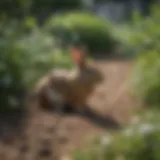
74, 130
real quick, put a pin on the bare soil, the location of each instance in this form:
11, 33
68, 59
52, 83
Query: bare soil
44, 135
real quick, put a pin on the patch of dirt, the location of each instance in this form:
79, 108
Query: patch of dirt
34, 138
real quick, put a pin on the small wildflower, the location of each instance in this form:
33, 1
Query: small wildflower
146, 128
106, 140
135, 120
129, 132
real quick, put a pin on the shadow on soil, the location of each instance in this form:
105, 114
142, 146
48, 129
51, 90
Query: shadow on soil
99, 120
12, 125
112, 57
105, 122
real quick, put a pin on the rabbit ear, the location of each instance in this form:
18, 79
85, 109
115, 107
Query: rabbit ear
78, 56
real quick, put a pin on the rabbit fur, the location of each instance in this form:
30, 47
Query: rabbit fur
72, 87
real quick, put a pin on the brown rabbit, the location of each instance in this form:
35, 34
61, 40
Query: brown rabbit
69, 87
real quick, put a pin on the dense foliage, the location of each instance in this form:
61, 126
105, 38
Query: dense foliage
146, 78
85, 28
25, 56
42, 8
141, 34
146, 75
141, 140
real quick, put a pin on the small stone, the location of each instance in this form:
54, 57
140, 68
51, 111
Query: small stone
8, 140
63, 139
65, 158
45, 152
24, 148
45, 142
50, 129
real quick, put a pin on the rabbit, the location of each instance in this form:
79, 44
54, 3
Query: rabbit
60, 87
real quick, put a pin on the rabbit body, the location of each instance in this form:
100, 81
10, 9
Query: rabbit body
52, 88
68, 87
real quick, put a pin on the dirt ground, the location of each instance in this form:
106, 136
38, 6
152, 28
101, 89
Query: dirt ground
45, 135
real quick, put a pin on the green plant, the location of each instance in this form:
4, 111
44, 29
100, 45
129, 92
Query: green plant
25, 56
11, 86
147, 30
42, 56
141, 35
146, 78
23, 8
85, 28
135, 142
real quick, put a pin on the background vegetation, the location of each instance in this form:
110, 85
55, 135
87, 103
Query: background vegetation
140, 139
34, 39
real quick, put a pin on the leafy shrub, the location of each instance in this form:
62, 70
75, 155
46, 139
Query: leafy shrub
25, 56
84, 28
147, 30
136, 142
11, 85
61, 5
146, 77
141, 34
41, 8
42, 55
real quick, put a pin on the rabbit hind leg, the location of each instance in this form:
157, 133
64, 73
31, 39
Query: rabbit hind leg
49, 99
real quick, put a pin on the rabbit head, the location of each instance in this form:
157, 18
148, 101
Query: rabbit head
86, 72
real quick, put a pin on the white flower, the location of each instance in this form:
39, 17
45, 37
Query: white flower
65, 158
106, 140
146, 128
129, 132
135, 120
